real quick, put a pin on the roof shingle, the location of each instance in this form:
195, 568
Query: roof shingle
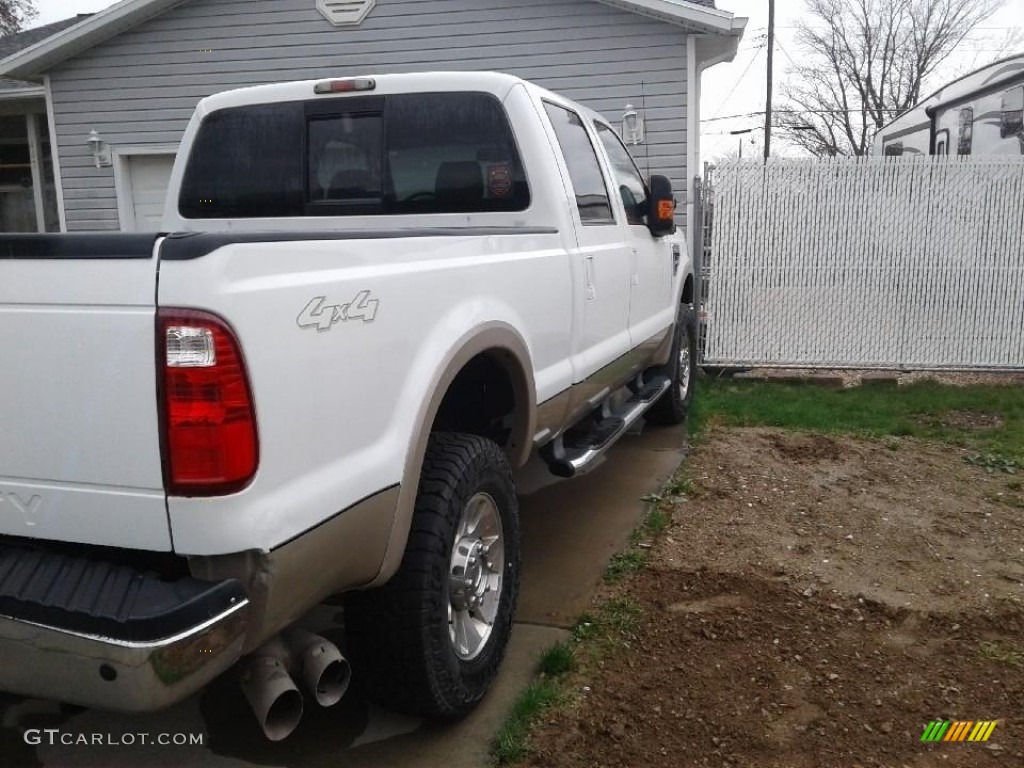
10, 44
17, 42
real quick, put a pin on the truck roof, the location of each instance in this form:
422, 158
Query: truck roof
424, 82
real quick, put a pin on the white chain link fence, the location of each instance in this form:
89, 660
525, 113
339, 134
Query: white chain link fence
909, 263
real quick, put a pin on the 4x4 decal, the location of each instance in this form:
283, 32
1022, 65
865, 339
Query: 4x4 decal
322, 316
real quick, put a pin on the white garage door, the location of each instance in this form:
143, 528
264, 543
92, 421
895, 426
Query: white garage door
146, 178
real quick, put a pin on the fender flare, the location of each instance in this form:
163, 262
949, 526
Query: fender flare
511, 352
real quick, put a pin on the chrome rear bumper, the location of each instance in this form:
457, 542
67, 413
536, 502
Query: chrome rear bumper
90, 632
125, 676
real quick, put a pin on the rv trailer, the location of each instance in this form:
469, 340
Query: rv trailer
981, 113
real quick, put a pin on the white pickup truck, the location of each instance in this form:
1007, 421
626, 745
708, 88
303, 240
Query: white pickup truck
373, 299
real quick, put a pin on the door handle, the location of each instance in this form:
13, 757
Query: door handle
588, 262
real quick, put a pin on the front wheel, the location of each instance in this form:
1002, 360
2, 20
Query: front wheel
430, 641
681, 370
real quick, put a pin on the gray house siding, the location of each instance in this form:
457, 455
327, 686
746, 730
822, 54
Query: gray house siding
140, 87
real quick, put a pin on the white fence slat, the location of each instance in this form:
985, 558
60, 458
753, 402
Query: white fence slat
910, 263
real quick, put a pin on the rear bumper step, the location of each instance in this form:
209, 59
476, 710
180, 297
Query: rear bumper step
97, 634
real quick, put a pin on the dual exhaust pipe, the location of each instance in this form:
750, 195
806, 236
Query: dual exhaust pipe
268, 679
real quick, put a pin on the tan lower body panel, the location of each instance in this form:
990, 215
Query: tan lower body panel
284, 584
566, 408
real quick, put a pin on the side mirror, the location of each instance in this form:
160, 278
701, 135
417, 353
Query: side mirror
661, 215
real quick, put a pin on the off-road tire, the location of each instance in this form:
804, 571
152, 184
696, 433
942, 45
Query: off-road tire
398, 634
673, 406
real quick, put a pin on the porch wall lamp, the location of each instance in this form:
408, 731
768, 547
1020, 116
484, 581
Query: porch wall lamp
100, 150
632, 126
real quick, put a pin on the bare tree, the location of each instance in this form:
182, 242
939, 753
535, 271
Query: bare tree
862, 63
14, 14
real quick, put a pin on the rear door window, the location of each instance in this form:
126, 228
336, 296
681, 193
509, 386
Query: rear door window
581, 161
373, 155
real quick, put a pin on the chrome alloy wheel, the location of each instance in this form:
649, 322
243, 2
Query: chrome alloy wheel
684, 365
475, 576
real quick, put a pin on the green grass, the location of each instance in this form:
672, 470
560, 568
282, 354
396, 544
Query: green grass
615, 623
623, 564
1012, 657
680, 486
874, 409
512, 743
654, 523
558, 660
993, 464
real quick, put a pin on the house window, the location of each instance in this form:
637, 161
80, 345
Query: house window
1012, 123
893, 149
966, 138
28, 196
584, 169
942, 143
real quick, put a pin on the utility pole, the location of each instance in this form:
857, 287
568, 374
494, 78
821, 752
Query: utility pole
771, 62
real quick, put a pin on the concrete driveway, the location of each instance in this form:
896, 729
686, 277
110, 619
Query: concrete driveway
570, 529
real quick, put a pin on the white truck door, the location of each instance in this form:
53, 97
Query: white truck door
650, 306
602, 248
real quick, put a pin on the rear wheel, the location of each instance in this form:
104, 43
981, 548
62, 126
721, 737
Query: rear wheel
430, 641
681, 369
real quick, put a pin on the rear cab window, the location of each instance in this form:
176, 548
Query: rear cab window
356, 156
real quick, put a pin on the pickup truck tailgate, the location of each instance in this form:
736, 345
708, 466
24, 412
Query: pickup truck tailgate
79, 428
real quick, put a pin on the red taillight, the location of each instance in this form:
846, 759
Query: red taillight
211, 447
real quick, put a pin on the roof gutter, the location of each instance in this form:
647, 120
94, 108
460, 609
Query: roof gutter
30, 63
13, 94
715, 49
698, 18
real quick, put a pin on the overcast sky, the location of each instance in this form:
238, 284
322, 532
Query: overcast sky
737, 88
740, 87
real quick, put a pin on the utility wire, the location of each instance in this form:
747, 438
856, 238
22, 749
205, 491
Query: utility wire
760, 113
737, 83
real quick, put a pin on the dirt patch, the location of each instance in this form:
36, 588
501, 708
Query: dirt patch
804, 449
817, 602
901, 522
